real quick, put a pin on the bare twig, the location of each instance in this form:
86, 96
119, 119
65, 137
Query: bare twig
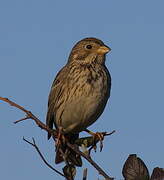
85, 174
42, 157
89, 159
21, 119
29, 115
108, 134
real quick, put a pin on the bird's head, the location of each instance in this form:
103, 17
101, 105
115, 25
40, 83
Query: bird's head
89, 50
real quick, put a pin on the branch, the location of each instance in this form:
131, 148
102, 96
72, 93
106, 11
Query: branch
89, 159
29, 115
42, 157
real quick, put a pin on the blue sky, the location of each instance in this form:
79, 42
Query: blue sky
36, 37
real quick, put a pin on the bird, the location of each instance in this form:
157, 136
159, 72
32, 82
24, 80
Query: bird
79, 93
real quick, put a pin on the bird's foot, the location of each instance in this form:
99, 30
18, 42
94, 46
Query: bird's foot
98, 136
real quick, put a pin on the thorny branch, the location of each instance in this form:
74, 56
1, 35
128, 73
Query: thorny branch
29, 115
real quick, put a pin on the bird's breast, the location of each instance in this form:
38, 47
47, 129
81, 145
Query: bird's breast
88, 81
86, 98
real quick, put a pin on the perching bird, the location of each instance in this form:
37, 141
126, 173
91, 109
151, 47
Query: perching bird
80, 90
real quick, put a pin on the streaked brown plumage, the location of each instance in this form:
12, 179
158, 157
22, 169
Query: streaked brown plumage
80, 90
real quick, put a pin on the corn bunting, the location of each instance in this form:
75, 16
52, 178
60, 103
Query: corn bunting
80, 91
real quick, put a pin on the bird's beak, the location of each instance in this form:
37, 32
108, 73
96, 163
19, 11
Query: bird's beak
103, 50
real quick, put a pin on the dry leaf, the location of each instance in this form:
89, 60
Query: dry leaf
135, 169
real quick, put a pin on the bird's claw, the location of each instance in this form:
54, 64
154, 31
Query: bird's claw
99, 136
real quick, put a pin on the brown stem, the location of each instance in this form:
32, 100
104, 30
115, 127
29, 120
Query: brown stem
29, 115
88, 158
21, 120
42, 157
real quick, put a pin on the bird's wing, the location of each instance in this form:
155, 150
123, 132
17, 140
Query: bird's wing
54, 96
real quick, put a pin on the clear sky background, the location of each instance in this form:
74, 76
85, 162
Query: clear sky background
36, 37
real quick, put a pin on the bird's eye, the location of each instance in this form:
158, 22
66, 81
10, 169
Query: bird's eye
88, 46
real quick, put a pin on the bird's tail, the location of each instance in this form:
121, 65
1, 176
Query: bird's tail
64, 153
